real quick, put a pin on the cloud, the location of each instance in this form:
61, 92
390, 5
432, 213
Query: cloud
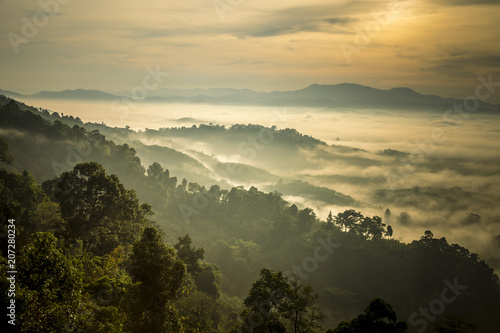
454, 51
294, 20
294, 24
261, 45
338, 20
459, 62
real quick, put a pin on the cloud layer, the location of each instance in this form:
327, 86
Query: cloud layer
432, 47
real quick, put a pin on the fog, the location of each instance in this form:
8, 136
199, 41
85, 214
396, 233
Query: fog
398, 162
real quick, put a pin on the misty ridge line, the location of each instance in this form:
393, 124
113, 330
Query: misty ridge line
200, 203
344, 95
311, 263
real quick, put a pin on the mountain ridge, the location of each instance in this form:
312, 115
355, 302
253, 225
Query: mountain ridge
343, 95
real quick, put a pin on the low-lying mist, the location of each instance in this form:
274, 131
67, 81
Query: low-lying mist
430, 170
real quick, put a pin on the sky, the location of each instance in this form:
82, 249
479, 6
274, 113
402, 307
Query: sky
434, 47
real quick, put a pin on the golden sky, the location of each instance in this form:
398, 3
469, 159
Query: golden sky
434, 47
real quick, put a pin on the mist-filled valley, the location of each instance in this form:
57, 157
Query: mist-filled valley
431, 169
362, 206
231, 166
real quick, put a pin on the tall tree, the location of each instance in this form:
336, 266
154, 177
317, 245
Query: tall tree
98, 209
267, 295
300, 309
157, 275
190, 255
329, 221
274, 301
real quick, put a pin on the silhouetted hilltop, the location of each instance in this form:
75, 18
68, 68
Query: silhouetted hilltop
344, 95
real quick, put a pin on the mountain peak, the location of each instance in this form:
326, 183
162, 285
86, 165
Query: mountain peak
404, 90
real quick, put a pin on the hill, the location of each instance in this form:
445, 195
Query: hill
349, 259
345, 95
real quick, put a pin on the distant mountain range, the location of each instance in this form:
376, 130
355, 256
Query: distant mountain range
345, 95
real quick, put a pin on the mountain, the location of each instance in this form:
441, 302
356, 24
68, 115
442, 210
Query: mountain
77, 94
345, 95
351, 95
11, 94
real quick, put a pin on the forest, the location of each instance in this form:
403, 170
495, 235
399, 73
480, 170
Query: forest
107, 241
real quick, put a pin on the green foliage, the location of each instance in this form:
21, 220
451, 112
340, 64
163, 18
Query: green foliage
209, 280
202, 313
265, 302
370, 228
23, 199
52, 291
5, 157
241, 229
275, 303
157, 275
300, 309
237, 260
11, 116
98, 209
189, 255
106, 284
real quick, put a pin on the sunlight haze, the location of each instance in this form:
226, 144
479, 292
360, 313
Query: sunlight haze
433, 47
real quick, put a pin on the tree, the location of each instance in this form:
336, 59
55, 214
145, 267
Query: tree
98, 209
198, 311
306, 219
190, 255
389, 231
299, 308
157, 275
5, 157
274, 301
267, 295
428, 235
378, 317
348, 219
329, 220
155, 170
355, 223
209, 280
202, 313
294, 210
51, 293
376, 228
21, 197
